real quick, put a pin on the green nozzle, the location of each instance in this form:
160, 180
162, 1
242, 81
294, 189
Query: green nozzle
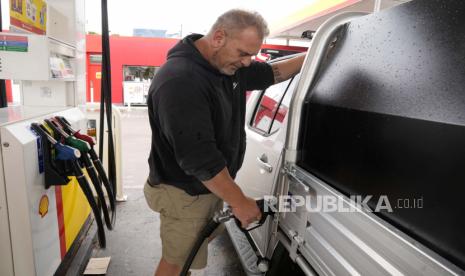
82, 146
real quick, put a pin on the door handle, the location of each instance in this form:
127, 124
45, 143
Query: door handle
263, 163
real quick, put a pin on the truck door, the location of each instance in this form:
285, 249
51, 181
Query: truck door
265, 129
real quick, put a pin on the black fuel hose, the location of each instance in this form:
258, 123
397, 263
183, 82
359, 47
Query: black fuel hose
106, 99
106, 183
207, 230
90, 198
98, 188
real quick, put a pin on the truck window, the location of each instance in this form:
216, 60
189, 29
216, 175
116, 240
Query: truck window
281, 112
268, 107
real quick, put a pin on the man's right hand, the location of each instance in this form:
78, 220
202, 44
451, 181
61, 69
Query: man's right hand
247, 212
244, 208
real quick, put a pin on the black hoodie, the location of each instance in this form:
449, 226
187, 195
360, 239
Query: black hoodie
197, 117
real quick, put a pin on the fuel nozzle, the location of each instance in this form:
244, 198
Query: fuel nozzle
264, 208
67, 126
261, 203
223, 215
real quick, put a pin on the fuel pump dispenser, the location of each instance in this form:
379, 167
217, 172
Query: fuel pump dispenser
47, 173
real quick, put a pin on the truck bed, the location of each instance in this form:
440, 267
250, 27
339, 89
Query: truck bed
387, 117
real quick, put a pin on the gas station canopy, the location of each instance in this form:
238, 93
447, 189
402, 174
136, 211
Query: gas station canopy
310, 17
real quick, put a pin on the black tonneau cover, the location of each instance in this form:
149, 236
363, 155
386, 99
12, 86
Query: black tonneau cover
387, 117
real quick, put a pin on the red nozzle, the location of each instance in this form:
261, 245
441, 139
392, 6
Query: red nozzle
86, 138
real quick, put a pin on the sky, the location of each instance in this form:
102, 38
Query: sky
172, 15
193, 16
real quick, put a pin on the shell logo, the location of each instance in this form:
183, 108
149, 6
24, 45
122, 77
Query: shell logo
43, 206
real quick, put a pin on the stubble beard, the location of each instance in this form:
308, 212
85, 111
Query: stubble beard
215, 63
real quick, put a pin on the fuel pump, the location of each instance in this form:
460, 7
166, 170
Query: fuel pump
70, 156
45, 200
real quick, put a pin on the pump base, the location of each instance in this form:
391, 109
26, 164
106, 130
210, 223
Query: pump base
75, 261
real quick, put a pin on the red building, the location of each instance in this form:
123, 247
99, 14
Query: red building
125, 52
9, 94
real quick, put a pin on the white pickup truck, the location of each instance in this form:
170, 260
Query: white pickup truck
377, 113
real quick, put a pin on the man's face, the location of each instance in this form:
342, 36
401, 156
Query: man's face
235, 51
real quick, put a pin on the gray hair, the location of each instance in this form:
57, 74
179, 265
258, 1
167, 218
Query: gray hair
238, 20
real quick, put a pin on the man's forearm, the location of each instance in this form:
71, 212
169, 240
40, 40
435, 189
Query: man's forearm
288, 68
225, 188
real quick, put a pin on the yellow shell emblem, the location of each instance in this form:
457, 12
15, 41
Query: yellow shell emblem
43, 206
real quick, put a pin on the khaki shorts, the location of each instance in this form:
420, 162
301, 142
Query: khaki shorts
182, 218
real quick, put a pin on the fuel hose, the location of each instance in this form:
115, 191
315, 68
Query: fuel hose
106, 99
71, 141
90, 198
207, 230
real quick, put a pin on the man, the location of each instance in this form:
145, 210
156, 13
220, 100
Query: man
197, 111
